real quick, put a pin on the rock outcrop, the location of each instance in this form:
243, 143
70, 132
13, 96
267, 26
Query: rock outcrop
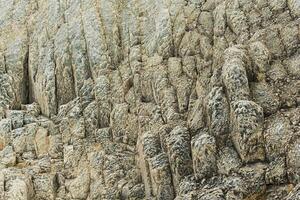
149, 99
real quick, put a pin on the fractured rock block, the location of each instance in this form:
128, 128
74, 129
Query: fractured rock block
206, 47
272, 39
41, 141
122, 123
214, 193
7, 95
2, 113
161, 177
277, 72
2, 184
190, 44
181, 82
204, 151
218, 113
148, 147
294, 6
90, 114
178, 145
160, 84
137, 192
277, 135
102, 95
196, 117
206, 22
290, 37
294, 194
55, 146
77, 128
72, 156
16, 117
188, 184
261, 57
236, 187
293, 66
276, 172
205, 194
293, 162
277, 5
44, 186
228, 161
255, 185
19, 140
265, 97
247, 134
235, 75
43, 81
103, 135
189, 66
220, 19
65, 85
79, 187
79, 58
19, 188
86, 92
5, 128
31, 112
174, 67
151, 145
16, 64
156, 99
237, 21
279, 192
8, 157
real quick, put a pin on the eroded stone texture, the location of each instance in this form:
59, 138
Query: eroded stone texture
247, 130
143, 99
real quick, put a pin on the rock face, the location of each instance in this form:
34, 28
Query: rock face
149, 99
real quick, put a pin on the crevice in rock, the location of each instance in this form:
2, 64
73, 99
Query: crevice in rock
4, 60
26, 87
55, 84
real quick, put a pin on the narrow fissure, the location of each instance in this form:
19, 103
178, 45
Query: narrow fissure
4, 60
55, 82
26, 87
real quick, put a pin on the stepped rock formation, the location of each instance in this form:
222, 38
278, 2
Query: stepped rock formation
149, 99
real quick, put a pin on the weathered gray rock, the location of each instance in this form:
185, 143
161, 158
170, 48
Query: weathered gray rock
218, 113
179, 154
41, 141
278, 192
235, 74
247, 134
228, 161
265, 97
19, 188
44, 186
149, 99
8, 157
293, 161
294, 194
204, 151
255, 184
261, 58
79, 187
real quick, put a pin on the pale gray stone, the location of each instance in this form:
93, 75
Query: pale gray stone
143, 99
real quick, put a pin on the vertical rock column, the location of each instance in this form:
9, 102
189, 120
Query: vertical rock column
246, 116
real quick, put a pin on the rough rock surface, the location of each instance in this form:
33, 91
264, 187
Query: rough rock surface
149, 99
